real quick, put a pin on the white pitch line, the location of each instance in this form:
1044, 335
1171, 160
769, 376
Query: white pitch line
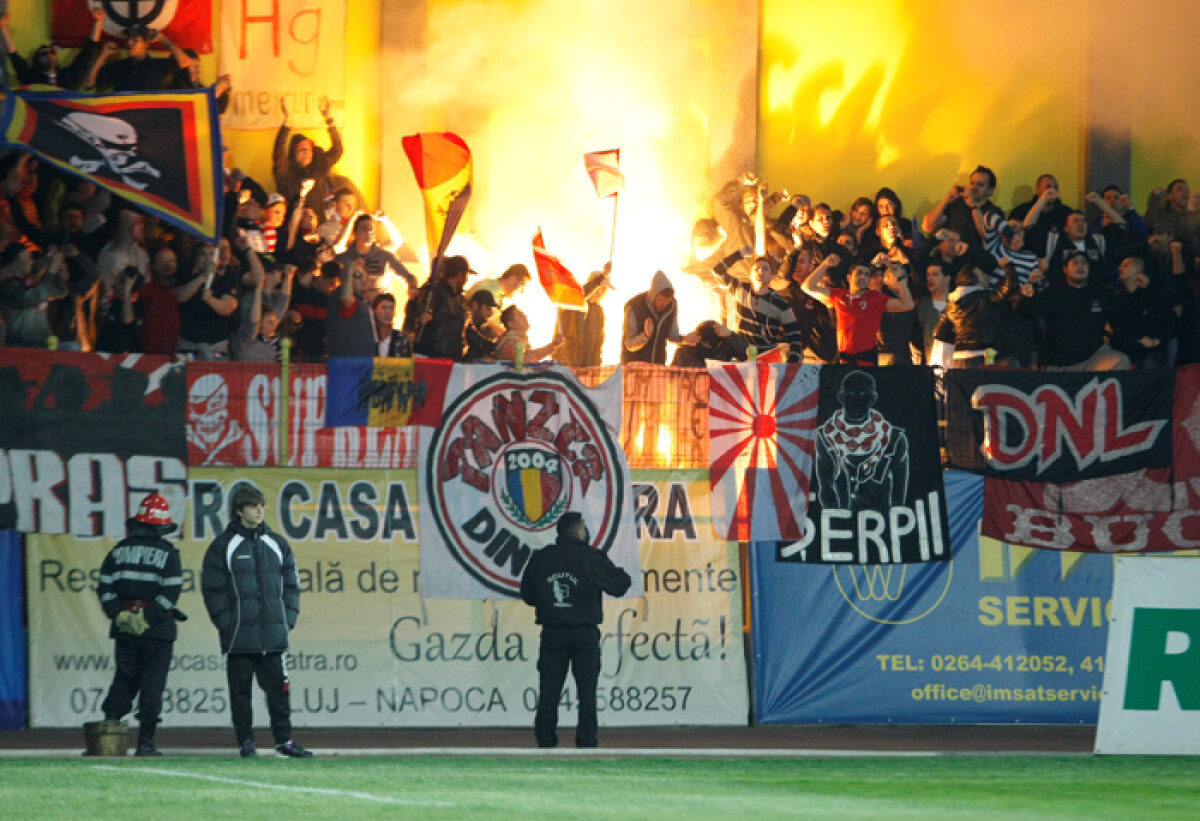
362, 796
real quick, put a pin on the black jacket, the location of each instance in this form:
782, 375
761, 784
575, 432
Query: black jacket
564, 581
974, 315
251, 589
142, 567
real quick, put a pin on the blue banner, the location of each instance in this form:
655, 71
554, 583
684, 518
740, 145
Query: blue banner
14, 700
1000, 634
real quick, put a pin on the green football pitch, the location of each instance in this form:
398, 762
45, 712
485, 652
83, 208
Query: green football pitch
975, 787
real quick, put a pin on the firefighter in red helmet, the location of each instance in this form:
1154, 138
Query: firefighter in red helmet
140, 582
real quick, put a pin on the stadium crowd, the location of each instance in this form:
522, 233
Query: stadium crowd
965, 285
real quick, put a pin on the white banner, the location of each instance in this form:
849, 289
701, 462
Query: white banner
1151, 698
368, 651
515, 451
290, 51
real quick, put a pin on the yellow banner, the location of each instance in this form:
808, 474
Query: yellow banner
369, 651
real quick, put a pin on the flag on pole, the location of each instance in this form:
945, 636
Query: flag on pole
161, 150
604, 167
559, 283
441, 163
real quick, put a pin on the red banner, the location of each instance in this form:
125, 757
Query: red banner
186, 23
234, 415
1155, 509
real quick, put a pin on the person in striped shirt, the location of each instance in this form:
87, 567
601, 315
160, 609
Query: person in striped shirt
764, 317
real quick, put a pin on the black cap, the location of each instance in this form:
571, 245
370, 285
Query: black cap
568, 521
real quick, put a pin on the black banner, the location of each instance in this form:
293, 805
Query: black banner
1034, 426
83, 437
877, 494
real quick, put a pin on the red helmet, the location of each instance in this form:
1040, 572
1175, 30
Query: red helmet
154, 510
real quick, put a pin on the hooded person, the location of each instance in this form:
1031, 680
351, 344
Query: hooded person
140, 582
650, 322
296, 158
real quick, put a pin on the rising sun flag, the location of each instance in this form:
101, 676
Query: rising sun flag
558, 282
441, 163
762, 434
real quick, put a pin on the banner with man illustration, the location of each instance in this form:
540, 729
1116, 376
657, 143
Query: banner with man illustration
511, 452
369, 650
876, 489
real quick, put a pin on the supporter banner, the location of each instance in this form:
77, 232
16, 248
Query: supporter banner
761, 423
511, 453
1058, 427
161, 150
83, 437
1152, 682
234, 412
367, 651
1149, 510
385, 392
878, 496
186, 23
1000, 634
282, 53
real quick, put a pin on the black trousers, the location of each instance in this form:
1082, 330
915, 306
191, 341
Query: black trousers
271, 671
142, 673
579, 648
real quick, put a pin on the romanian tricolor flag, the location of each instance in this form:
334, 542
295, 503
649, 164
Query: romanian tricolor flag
384, 393
441, 163
559, 283
160, 150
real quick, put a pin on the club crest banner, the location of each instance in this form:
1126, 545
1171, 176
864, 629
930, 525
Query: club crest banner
512, 453
877, 494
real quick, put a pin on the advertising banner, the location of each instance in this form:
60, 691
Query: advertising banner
1152, 681
369, 651
1000, 634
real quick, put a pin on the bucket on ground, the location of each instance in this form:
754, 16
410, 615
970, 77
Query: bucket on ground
106, 738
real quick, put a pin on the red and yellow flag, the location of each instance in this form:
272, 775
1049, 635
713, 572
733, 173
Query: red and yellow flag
161, 150
559, 283
441, 163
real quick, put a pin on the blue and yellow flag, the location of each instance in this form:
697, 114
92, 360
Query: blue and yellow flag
160, 150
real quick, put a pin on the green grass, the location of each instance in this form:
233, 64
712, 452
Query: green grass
999, 787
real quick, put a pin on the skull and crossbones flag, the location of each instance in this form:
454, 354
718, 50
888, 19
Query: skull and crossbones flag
160, 150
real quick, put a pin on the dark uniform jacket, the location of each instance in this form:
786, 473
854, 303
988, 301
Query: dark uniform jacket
142, 567
564, 582
251, 589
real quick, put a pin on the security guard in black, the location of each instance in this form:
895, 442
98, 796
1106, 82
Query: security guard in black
564, 582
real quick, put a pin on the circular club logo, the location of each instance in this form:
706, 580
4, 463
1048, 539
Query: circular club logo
516, 451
